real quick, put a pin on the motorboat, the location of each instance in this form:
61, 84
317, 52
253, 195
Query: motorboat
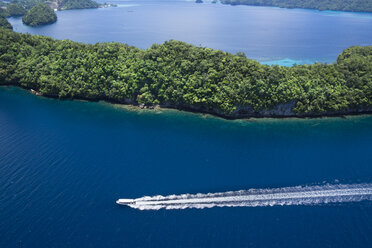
126, 201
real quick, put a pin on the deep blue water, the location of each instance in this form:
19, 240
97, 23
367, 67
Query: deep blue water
63, 164
272, 35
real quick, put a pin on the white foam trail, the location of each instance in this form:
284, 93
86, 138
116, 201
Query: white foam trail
300, 195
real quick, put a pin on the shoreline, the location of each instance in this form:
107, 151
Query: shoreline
298, 8
138, 107
243, 90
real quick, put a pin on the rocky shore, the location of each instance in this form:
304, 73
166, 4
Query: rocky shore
242, 112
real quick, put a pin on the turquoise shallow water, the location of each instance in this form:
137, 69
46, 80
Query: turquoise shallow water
63, 164
270, 35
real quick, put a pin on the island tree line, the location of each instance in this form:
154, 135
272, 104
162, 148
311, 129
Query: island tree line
341, 5
179, 75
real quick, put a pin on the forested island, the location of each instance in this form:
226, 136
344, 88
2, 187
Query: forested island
77, 4
182, 76
59, 4
340, 5
20, 7
15, 9
40, 14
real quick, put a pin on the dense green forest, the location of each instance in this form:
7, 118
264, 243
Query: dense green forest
15, 9
20, 7
27, 4
60, 4
342, 5
78, 4
4, 13
179, 75
40, 14
4, 23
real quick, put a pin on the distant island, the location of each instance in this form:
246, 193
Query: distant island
182, 76
15, 9
20, 7
59, 4
40, 14
340, 5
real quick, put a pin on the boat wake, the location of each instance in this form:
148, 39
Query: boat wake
300, 195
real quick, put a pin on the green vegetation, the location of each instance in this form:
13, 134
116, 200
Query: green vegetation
4, 13
40, 14
16, 9
27, 4
4, 23
343, 5
179, 75
78, 4
58, 4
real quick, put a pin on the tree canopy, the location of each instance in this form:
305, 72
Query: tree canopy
179, 75
27, 4
78, 4
16, 9
4, 23
4, 13
62, 4
20, 7
40, 14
